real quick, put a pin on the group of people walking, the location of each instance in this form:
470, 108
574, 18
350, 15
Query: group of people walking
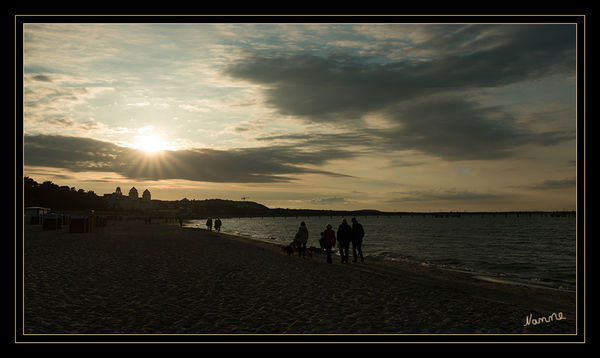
209, 224
346, 234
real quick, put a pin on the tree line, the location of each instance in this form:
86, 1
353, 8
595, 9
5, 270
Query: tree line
48, 194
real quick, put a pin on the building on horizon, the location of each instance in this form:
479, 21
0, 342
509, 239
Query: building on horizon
118, 201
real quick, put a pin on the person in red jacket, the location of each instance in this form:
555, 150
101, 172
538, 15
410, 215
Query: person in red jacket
328, 241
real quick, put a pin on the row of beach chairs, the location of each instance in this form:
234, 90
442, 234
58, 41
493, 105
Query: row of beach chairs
77, 224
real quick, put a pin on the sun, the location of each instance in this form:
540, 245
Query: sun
150, 144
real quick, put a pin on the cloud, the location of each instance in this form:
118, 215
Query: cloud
139, 104
248, 165
145, 129
447, 195
191, 108
448, 127
354, 142
568, 183
423, 100
318, 88
329, 201
42, 78
457, 129
47, 98
315, 88
59, 121
77, 154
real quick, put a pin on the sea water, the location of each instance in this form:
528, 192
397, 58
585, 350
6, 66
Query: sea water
534, 248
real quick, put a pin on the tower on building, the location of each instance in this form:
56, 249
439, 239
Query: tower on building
146, 195
133, 193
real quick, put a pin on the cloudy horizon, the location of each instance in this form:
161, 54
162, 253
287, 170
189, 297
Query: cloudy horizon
393, 117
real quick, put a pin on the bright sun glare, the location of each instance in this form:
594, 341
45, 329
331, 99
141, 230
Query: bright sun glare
150, 143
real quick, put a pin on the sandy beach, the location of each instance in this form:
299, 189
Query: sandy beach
139, 278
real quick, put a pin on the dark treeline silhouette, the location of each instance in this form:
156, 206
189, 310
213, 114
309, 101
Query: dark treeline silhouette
64, 198
316, 212
224, 208
58, 197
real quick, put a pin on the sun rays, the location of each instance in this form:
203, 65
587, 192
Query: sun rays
152, 156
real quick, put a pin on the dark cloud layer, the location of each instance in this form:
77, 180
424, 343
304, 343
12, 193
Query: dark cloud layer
422, 99
456, 129
448, 127
267, 164
568, 183
448, 195
42, 78
337, 85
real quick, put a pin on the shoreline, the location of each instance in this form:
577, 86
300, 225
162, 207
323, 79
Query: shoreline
489, 277
136, 278
481, 275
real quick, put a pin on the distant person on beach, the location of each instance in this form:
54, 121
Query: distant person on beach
180, 222
218, 224
357, 237
328, 241
302, 238
209, 224
344, 236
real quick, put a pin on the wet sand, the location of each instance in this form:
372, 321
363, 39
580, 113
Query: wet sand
139, 278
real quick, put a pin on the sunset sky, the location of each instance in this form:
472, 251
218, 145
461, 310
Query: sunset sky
394, 117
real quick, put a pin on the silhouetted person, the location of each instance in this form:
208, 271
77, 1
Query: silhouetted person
344, 236
328, 241
302, 238
180, 222
209, 224
218, 224
357, 237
